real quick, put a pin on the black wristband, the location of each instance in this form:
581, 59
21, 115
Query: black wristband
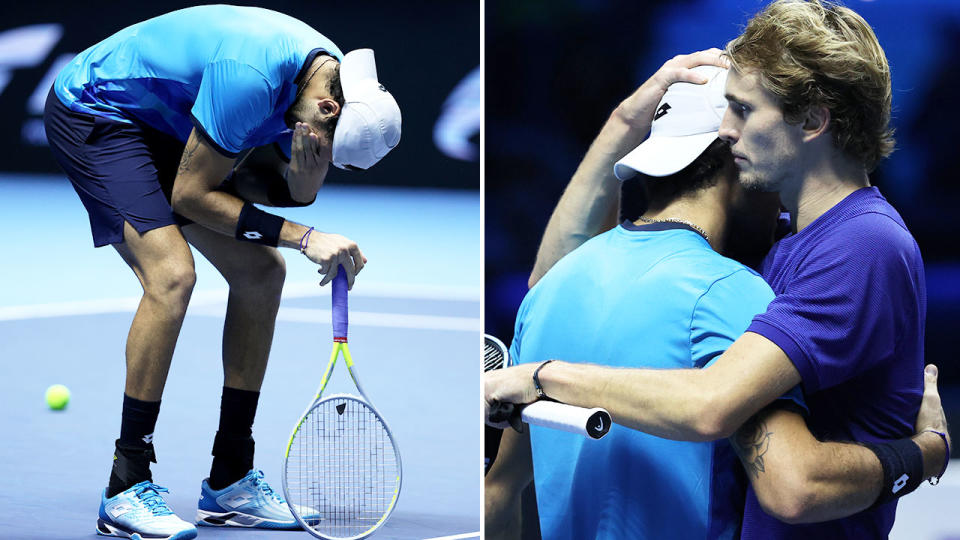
902, 463
536, 381
258, 227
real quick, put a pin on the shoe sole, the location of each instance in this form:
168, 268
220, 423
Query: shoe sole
109, 529
207, 518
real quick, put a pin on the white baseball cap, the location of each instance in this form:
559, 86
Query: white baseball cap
687, 121
369, 124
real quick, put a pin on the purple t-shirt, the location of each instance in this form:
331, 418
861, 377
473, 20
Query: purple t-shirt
850, 310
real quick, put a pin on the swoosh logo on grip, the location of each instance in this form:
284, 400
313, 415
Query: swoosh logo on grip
599, 425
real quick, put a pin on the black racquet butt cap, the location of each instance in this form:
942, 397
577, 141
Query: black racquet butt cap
598, 424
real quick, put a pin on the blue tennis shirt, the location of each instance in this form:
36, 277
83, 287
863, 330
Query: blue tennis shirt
655, 296
850, 311
230, 71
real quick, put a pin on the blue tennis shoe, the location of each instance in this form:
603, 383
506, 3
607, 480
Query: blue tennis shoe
141, 513
248, 502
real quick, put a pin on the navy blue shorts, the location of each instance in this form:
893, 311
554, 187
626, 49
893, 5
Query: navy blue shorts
122, 172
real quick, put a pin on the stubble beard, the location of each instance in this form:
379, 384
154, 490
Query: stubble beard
752, 181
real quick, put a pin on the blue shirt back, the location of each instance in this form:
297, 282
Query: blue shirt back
653, 296
230, 71
850, 312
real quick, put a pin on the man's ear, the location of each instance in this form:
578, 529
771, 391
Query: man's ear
816, 122
328, 107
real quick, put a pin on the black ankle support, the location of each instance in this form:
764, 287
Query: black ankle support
232, 459
131, 465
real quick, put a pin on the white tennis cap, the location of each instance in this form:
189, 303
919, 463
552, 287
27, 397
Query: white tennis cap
369, 124
686, 122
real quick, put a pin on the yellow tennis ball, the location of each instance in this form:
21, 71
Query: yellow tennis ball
58, 396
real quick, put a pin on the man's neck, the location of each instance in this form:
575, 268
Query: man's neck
702, 209
820, 188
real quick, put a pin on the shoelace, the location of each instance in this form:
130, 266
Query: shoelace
265, 487
149, 495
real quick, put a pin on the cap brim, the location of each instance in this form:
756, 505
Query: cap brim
663, 156
357, 66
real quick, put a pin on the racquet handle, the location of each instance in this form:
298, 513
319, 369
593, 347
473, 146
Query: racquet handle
593, 423
340, 304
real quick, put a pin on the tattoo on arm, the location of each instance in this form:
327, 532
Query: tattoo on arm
188, 154
751, 443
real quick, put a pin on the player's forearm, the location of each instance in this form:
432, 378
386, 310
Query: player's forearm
214, 210
220, 212
677, 404
589, 203
847, 478
797, 478
838, 480
304, 187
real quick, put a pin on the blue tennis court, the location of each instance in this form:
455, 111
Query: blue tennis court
415, 315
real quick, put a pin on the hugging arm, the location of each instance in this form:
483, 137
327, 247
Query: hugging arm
798, 479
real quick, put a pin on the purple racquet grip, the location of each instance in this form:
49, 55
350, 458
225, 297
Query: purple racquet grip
340, 305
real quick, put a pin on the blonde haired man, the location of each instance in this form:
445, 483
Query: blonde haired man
809, 107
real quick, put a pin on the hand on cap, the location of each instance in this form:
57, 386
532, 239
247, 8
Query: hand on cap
638, 109
331, 250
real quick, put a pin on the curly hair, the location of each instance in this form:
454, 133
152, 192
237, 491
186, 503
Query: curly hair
639, 192
818, 53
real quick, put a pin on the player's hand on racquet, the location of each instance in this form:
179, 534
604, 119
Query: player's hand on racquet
638, 109
331, 250
309, 161
931, 414
508, 385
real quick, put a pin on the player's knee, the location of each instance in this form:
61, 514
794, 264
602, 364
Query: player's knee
273, 270
172, 283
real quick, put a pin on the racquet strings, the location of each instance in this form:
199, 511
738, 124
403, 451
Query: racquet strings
494, 354
342, 471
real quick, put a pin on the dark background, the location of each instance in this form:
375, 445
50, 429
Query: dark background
424, 49
555, 70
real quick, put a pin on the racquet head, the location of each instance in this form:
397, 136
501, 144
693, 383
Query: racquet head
342, 472
495, 353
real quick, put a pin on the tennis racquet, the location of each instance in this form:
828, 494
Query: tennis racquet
342, 470
592, 423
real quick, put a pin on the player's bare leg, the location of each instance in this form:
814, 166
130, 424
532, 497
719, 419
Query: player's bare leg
236, 494
255, 275
163, 264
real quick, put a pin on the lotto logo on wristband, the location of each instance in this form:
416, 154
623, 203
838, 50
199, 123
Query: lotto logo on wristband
902, 481
252, 235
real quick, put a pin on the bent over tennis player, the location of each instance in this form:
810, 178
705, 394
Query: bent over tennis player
254, 105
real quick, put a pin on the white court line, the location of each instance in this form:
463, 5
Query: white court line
201, 299
365, 318
457, 536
